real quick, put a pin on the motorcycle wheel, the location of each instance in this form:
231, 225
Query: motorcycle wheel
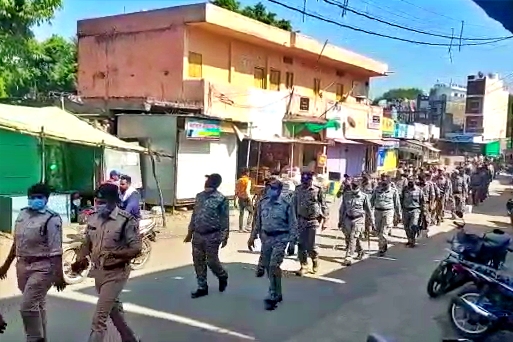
69, 256
437, 284
142, 259
462, 320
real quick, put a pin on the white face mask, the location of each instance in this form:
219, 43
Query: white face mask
76, 202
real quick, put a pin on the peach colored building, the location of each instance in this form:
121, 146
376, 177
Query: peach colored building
204, 60
208, 57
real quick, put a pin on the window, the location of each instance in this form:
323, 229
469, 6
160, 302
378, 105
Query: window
275, 80
473, 105
288, 60
304, 104
317, 86
289, 80
259, 78
340, 92
195, 65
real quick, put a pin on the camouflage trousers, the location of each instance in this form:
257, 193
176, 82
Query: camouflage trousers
384, 222
205, 252
306, 242
273, 253
458, 203
439, 209
34, 281
353, 230
411, 222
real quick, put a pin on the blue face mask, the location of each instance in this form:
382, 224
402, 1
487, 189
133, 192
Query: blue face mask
37, 204
103, 209
274, 193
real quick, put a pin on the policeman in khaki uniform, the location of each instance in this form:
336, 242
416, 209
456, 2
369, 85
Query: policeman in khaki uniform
412, 204
38, 248
385, 201
354, 210
275, 223
112, 241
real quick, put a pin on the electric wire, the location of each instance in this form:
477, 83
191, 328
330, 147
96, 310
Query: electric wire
357, 29
410, 29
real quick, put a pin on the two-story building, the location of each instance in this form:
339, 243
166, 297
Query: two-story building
217, 77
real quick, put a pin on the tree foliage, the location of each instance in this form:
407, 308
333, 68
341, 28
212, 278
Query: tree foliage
401, 94
47, 66
258, 12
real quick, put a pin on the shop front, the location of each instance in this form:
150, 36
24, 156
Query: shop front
362, 126
387, 152
344, 155
205, 147
417, 153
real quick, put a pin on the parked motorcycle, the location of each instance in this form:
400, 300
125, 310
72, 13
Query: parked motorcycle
147, 230
69, 256
378, 338
466, 251
480, 311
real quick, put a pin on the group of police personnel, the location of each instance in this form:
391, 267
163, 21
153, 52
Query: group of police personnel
282, 222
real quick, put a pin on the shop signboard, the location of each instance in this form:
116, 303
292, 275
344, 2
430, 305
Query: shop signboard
410, 147
202, 129
421, 132
381, 157
400, 131
410, 131
373, 121
387, 127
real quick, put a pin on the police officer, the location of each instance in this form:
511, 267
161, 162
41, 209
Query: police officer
260, 269
38, 248
208, 230
354, 209
275, 222
385, 201
112, 241
412, 205
429, 196
444, 189
459, 192
310, 207
367, 187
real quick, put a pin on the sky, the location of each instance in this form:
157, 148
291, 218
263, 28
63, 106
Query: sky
412, 65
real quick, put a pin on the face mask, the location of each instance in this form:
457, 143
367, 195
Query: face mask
37, 203
103, 209
76, 202
274, 193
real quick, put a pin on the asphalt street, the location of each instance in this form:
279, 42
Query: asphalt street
343, 304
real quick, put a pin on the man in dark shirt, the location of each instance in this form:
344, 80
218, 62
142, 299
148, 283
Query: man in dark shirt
129, 197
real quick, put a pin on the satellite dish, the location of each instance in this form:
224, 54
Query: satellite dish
480, 74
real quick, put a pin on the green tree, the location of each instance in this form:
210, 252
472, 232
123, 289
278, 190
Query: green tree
258, 12
400, 94
50, 65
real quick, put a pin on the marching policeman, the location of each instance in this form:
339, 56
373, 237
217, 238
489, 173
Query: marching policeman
208, 230
38, 249
275, 223
310, 207
112, 241
385, 201
412, 204
354, 209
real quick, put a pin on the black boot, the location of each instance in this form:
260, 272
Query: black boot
315, 266
200, 293
223, 283
270, 304
259, 272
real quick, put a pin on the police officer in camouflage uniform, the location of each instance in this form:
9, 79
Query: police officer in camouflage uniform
275, 223
38, 249
208, 230
309, 204
444, 191
367, 187
112, 241
260, 269
412, 204
386, 203
429, 196
459, 192
354, 209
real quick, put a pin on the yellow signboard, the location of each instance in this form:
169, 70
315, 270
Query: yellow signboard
387, 127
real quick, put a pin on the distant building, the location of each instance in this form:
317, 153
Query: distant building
486, 108
451, 91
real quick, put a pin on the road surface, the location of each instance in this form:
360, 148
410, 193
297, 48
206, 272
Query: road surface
342, 304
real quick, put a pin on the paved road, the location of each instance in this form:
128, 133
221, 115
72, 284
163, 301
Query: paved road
343, 304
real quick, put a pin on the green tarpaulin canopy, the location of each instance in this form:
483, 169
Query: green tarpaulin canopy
297, 127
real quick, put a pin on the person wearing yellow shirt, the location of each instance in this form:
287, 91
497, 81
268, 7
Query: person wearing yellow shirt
243, 194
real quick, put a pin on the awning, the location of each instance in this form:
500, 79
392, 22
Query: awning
381, 142
346, 141
416, 147
58, 124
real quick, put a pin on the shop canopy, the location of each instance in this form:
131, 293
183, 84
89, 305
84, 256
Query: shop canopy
57, 124
416, 147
